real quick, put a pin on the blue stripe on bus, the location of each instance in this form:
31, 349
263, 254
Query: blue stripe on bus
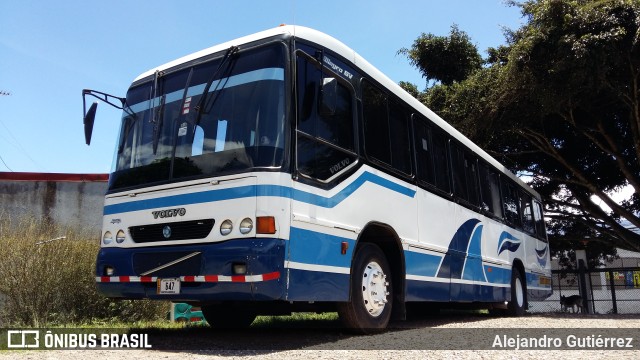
259, 190
315, 248
421, 264
182, 199
445, 292
307, 285
497, 275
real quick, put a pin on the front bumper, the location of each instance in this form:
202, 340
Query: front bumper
205, 276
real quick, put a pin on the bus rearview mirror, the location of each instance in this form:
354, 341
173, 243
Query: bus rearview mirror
89, 118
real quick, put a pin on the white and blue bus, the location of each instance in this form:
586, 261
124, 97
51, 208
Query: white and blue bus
282, 172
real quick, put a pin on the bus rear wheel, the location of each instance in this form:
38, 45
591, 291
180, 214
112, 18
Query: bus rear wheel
369, 310
228, 316
518, 304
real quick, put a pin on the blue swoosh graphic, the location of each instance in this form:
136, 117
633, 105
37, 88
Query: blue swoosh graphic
453, 262
508, 242
260, 190
542, 255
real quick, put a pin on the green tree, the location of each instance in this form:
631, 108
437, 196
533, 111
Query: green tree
410, 88
444, 58
561, 102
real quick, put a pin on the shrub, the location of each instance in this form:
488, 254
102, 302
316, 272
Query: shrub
47, 277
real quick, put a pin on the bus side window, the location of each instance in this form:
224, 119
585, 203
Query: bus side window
539, 220
440, 161
465, 174
471, 172
424, 158
376, 123
490, 190
528, 224
400, 142
326, 143
458, 171
510, 201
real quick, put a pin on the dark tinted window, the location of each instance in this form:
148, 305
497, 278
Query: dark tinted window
337, 128
465, 177
440, 160
376, 123
325, 141
490, 190
511, 203
400, 145
386, 129
539, 220
422, 143
526, 210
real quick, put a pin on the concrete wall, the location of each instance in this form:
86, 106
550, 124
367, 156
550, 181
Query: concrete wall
64, 199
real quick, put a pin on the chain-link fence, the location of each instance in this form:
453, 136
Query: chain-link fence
600, 291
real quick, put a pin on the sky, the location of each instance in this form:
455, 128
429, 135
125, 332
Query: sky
51, 50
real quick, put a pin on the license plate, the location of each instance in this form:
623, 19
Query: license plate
168, 286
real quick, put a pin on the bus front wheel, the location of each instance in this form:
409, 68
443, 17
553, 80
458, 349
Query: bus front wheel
518, 303
369, 310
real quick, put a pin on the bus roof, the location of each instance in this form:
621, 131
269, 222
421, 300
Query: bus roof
343, 50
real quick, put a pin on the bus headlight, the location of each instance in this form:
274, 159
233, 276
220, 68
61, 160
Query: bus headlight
226, 227
246, 226
120, 237
107, 238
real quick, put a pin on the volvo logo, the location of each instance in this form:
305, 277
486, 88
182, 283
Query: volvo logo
166, 232
169, 213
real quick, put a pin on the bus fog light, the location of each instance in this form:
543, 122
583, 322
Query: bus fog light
109, 271
246, 226
107, 238
239, 269
120, 237
226, 227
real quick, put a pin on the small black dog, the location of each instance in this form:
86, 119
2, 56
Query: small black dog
572, 301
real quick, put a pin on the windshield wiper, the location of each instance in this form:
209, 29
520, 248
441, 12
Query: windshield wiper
203, 103
156, 115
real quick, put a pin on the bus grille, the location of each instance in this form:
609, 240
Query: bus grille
143, 262
184, 230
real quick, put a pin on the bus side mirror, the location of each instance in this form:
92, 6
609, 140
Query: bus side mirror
89, 118
328, 96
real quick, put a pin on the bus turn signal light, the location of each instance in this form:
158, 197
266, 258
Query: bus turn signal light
266, 225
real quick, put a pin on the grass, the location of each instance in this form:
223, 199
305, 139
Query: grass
297, 320
47, 282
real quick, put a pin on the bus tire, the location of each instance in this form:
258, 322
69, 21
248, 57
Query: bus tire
228, 316
517, 305
369, 310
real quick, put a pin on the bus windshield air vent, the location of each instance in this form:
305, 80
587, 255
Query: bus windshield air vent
184, 230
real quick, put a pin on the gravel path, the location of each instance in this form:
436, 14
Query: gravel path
454, 331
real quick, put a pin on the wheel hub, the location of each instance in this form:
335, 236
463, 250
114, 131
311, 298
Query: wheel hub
374, 289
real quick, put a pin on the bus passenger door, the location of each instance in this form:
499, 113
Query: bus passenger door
322, 240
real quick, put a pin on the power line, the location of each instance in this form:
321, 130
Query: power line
5, 164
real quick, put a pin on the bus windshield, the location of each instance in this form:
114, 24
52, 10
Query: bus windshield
216, 117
